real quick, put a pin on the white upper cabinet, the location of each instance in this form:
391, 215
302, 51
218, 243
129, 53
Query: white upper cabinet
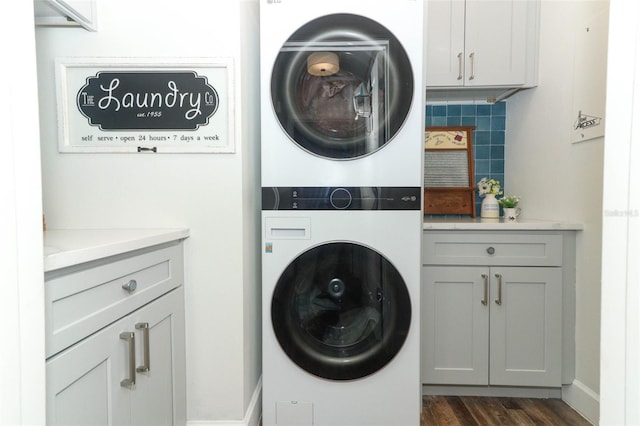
66, 12
482, 43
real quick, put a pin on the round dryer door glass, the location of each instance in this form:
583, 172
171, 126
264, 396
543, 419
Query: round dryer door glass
342, 86
341, 311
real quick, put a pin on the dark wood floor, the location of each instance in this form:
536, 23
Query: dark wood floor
471, 410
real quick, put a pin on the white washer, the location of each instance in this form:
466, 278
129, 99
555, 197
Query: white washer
342, 92
340, 307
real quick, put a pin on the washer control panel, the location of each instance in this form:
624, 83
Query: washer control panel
341, 198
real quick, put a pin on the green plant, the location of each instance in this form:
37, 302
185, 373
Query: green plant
509, 201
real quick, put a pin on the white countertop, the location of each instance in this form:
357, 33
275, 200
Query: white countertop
68, 247
480, 224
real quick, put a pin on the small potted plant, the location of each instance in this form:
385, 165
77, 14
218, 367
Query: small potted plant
510, 207
489, 188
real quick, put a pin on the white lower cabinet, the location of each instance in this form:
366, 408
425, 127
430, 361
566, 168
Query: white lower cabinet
485, 322
131, 371
491, 326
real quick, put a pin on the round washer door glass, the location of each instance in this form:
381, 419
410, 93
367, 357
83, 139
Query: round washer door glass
341, 311
342, 86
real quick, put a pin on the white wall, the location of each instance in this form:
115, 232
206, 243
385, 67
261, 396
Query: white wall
620, 347
212, 194
22, 383
250, 109
561, 180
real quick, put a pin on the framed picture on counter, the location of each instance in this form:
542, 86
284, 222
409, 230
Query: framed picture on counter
448, 171
146, 105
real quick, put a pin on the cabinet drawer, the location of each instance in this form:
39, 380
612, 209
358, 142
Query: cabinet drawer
479, 248
81, 300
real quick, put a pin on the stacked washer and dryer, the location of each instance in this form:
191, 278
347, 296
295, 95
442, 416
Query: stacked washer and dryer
342, 100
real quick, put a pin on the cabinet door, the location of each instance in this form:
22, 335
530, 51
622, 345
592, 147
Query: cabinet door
445, 43
496, 42
159, 394
83, 382
455, 325
526, 326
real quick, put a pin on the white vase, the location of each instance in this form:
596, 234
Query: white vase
490, 207
511, 214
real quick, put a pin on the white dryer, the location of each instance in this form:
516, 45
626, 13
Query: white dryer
341, 282
342, 92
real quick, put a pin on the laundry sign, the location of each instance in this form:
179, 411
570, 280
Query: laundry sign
108, 105
124, 100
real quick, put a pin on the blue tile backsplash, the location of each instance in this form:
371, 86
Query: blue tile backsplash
488, 137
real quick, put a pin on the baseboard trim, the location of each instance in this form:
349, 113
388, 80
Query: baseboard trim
499, 391
251, 417
254, 411
582, 399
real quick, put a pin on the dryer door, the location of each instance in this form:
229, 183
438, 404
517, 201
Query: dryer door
342, 86
341, 311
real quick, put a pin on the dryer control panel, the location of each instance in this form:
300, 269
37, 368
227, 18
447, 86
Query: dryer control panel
341, 198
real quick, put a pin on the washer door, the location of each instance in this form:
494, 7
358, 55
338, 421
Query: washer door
341, 311
342, 86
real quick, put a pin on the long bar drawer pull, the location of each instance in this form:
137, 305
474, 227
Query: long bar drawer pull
485, 278
146, 366
131, 339
499, 299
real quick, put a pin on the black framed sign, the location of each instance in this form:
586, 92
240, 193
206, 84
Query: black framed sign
145, 105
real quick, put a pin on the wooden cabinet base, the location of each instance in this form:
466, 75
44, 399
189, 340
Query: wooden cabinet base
450, 201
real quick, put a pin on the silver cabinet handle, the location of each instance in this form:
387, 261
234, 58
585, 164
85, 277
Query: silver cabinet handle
146, 366
460, 61
131, 286
131, 339
499, 299
472, 56
485, 278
